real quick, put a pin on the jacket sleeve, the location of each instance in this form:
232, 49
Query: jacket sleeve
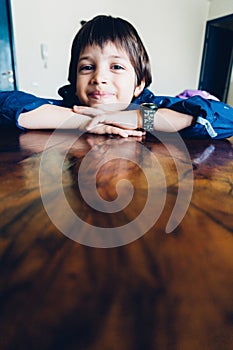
212, 119
13, 103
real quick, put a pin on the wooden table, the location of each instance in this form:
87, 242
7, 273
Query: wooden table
155, 279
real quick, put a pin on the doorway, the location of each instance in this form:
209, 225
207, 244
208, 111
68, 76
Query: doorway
7, 54
217, 59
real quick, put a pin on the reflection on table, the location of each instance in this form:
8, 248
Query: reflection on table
109, 243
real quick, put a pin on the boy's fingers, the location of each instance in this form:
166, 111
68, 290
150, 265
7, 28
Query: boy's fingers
93, 112
108, 129
94, 122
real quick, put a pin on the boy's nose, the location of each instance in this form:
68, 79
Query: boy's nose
99, 77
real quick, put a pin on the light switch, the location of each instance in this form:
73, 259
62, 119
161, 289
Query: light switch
44, 54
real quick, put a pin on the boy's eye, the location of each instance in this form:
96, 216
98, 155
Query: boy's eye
117, 66
87, 67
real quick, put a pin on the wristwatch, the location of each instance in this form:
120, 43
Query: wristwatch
147, 111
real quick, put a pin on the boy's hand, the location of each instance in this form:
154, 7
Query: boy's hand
89, 111
122, 123
113, 130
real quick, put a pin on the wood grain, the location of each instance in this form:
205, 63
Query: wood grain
162, 291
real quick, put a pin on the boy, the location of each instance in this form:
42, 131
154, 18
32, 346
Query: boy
109, 76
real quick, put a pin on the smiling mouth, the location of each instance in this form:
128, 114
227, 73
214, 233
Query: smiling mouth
97, 95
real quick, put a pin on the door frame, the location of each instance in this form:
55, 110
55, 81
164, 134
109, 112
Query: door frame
8, 11
217, 57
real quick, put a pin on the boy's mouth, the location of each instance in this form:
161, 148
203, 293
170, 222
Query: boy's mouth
100, 95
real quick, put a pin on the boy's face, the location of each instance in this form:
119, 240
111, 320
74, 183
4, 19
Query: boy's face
106, 76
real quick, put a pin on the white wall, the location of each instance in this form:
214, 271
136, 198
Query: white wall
220, 8
172, 31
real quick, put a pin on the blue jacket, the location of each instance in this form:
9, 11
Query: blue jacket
213, 119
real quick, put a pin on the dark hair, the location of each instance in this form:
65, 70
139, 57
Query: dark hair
102, 29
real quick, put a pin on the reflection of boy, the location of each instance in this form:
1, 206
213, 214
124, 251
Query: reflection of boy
109, 73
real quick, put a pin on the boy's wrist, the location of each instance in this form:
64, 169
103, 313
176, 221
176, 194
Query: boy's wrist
147, 113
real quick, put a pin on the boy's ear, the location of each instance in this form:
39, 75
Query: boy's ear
139, 88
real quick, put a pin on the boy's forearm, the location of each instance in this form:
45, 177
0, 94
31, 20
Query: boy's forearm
165, 120
168, 120
52, 117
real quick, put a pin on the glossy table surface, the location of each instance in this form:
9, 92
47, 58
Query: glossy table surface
113, 244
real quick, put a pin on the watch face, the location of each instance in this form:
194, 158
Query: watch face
152, 106
148, 111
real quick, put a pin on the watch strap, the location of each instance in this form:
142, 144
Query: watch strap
148, 111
